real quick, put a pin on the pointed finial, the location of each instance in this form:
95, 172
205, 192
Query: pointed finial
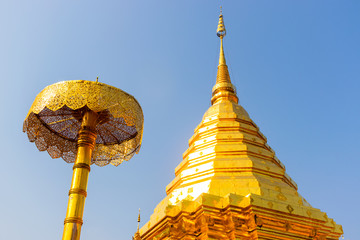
223, 90
221, 31
137, 234
97, 79
138, 220
139, 216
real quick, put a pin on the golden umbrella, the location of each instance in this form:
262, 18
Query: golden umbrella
84, 122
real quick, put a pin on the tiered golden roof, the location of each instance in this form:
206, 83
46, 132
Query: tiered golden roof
230, 184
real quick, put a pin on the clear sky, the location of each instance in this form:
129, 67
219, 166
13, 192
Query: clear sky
296, 66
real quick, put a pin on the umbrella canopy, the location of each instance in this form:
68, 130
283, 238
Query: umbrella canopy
54, 121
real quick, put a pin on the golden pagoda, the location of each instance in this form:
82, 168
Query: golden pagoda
230, 184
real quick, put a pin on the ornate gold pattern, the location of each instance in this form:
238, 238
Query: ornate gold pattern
281, 196
287, 226
54, 121
290, 208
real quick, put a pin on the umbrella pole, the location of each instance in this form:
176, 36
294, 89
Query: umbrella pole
81, 169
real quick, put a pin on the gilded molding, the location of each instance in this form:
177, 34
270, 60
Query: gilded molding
78, 191
82, 165
77, 220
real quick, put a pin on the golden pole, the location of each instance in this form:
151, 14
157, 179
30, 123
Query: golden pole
81, 169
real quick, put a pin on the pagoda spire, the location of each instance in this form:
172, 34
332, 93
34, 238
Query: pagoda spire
137, 234
138, 221
223, 90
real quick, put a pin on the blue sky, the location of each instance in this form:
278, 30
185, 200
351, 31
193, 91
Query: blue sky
296, 66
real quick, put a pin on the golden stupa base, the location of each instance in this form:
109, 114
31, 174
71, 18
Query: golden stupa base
238, 217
